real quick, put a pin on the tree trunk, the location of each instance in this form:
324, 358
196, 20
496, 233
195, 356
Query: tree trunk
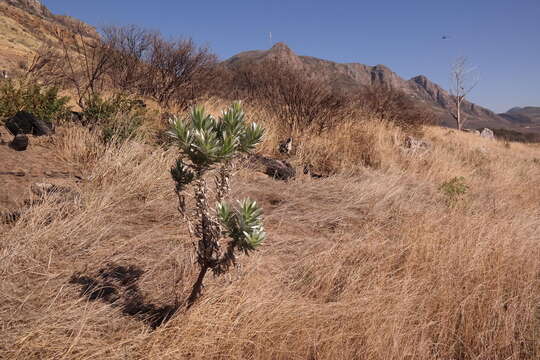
197, 287
458, 117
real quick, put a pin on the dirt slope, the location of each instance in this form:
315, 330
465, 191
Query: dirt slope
20, 169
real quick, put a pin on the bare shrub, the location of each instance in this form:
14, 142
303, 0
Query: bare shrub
132, 60
178, 72
393, 105
462, 83
299, 100
131, 47
82, 63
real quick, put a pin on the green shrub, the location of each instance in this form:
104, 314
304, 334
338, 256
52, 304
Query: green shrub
43, 102
119, 116
210, 145
454, 188
122, 127
99, 109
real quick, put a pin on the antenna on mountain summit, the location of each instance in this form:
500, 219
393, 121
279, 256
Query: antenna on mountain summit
270, 37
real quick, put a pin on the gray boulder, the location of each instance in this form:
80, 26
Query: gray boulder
416, 144
487, 133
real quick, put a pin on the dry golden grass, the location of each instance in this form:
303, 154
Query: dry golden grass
370, 263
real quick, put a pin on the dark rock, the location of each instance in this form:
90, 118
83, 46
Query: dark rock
20, 142
139, 103
278, 169
25, 123
309, 171
76, 117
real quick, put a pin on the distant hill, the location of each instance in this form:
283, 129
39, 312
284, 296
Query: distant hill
526, 117
355, 76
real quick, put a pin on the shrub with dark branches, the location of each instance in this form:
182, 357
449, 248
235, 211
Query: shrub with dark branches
301, 101
393, 105
131, 60
174, 72
178, 72
131, 47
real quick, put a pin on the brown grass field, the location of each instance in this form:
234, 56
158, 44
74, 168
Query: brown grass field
372, 262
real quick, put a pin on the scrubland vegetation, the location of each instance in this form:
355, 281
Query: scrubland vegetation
395, 253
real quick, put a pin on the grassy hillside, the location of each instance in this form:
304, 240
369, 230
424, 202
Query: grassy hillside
23, 33
387, 261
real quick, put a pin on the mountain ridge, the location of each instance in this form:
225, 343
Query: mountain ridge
355, 76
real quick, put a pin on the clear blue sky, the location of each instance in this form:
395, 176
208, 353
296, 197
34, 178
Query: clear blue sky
500, 37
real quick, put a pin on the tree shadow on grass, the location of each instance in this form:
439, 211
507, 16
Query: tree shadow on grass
117, 285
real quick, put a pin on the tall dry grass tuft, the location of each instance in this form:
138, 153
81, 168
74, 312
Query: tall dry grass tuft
372, 262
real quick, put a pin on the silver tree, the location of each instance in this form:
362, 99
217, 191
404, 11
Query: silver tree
208, 145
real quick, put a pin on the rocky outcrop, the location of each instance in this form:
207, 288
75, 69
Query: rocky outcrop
34, 7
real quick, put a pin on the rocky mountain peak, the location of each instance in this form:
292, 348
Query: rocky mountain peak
421, 80
282, 52
281, 47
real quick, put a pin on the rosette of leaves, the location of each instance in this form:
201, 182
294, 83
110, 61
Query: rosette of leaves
208, 143
243, 224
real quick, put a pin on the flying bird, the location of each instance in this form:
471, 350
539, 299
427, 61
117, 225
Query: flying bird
445, 37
